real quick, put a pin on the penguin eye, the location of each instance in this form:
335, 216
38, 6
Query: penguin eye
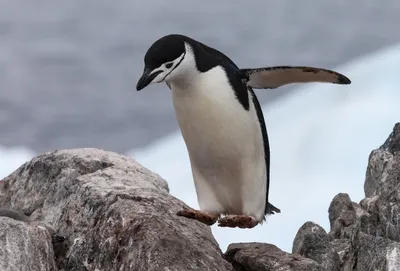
168, 65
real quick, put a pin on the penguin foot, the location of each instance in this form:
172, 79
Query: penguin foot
241, 221
203, 217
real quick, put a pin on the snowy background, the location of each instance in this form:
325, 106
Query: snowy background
68, 72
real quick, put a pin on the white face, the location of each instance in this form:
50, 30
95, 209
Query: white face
169, 71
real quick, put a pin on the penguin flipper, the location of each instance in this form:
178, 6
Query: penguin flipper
274, 77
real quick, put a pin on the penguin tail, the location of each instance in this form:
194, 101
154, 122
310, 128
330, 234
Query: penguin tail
271, 209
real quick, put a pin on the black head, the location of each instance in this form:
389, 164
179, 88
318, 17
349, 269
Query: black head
162, 59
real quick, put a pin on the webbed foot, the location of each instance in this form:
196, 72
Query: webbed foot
241, 221
203, 217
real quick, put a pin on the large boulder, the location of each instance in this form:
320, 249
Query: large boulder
114, 213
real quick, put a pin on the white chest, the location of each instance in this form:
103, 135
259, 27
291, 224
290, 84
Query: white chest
213, 122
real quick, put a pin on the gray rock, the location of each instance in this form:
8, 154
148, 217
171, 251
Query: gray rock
382, 188
266, 257
25, 247
14, 214
381, 164
313, 242
20, 216
366, 235
345, 251
341, 214
367, 219
376, 253
392, 144
115, 214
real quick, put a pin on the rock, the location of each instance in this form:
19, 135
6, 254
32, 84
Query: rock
376, 253
25, 247
115, 214
392, 144
366, 236
346, 252
381, 163
382, 188
341, 214
20, 216
260, 257
313, 242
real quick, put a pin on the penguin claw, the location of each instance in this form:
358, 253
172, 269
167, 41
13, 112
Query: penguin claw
240, 221
203, 217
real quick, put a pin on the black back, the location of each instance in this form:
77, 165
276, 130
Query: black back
263, 127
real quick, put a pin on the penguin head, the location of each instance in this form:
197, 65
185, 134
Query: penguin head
166, 60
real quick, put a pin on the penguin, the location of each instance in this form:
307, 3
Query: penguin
222, 124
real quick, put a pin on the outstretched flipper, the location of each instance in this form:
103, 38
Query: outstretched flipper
274, 77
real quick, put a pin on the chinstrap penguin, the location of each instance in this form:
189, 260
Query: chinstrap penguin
222, 125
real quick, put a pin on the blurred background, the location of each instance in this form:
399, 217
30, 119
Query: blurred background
68, 71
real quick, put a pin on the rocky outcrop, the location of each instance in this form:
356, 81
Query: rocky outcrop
87, 209
114, 214
313, 242
366, 235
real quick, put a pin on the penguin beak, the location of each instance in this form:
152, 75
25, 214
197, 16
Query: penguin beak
146, 79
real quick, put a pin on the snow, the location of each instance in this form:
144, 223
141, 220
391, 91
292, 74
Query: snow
321, 136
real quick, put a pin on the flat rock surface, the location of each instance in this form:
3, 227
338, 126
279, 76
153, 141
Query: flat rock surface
266, 257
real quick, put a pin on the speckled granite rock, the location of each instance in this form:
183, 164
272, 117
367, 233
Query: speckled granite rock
115, 214
365, 236
25, 247
313, 242
266, 257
